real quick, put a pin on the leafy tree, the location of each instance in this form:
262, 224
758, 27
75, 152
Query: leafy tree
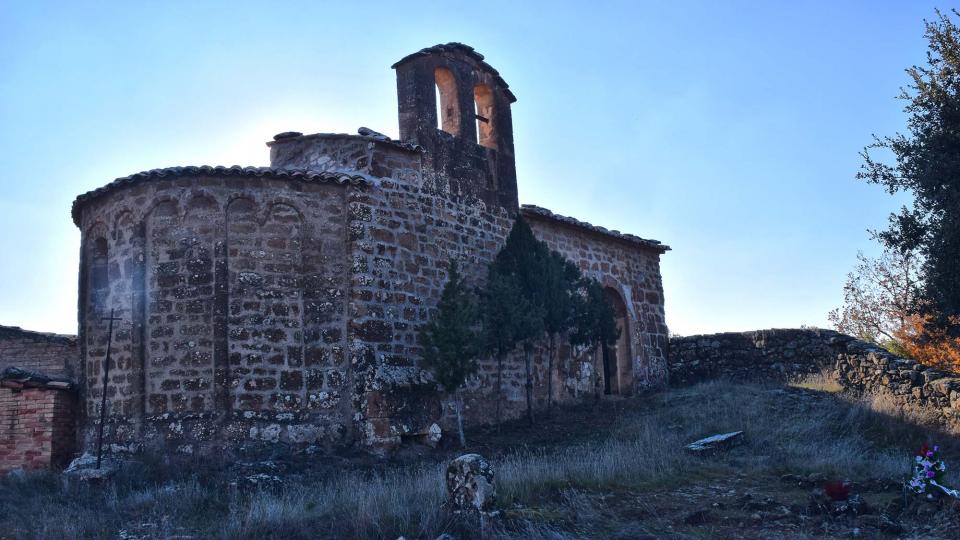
927, 165
878, 298
562, 279
451, 340
880, 306
595, 323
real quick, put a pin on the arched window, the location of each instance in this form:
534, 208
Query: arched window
98, 265
483, 110
98, 282
448, 107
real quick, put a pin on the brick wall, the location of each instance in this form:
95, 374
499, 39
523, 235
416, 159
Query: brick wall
36, 428
50, 354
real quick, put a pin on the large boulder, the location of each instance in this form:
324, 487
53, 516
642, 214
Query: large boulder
470, 483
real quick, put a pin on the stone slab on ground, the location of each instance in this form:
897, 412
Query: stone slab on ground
715, 443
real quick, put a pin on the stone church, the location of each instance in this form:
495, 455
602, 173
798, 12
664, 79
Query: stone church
283, 303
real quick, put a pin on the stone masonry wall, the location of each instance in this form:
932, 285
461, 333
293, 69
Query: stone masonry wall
860, 367
402, 234
232, 290
261, 308
36, 428
630, 272
50, 354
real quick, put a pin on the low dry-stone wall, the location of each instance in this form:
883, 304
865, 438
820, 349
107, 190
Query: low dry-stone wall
782, 354
757, 355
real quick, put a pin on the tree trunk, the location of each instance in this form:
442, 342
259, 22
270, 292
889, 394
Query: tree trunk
550, 353
596, 370
527, 353
458, 404
499, 392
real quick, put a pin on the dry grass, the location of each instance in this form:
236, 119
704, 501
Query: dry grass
823, 381
547, 493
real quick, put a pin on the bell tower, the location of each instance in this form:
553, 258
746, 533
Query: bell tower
457, 107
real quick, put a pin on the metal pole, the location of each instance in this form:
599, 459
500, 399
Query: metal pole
106, 380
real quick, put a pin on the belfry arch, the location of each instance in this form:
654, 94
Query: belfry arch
448, 104
617, 360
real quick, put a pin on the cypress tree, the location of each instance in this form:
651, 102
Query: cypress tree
561, 283
524, 259
451, 341
507, 319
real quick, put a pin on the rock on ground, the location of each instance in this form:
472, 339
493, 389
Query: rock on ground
470, 483
84, 468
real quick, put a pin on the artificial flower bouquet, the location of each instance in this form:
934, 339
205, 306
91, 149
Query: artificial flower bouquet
928, 469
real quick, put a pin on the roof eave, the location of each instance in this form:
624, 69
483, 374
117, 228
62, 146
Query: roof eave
308, 175
531, 210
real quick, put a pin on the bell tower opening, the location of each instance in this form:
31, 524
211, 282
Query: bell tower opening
456, 108
448, 105
484, 112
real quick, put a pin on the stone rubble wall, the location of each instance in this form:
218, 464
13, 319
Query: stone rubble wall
633, 274
232, 294
403, 231
51, 354
757, 355
264, 309
780, 354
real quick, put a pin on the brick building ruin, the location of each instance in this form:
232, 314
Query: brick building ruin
282, 303
38, 400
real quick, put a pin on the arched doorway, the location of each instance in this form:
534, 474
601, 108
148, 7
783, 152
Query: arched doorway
617, 360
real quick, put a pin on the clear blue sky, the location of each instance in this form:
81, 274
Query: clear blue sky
729, 130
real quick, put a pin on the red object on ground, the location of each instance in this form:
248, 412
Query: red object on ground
837, 490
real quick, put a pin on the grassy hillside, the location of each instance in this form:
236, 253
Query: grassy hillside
616, 470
